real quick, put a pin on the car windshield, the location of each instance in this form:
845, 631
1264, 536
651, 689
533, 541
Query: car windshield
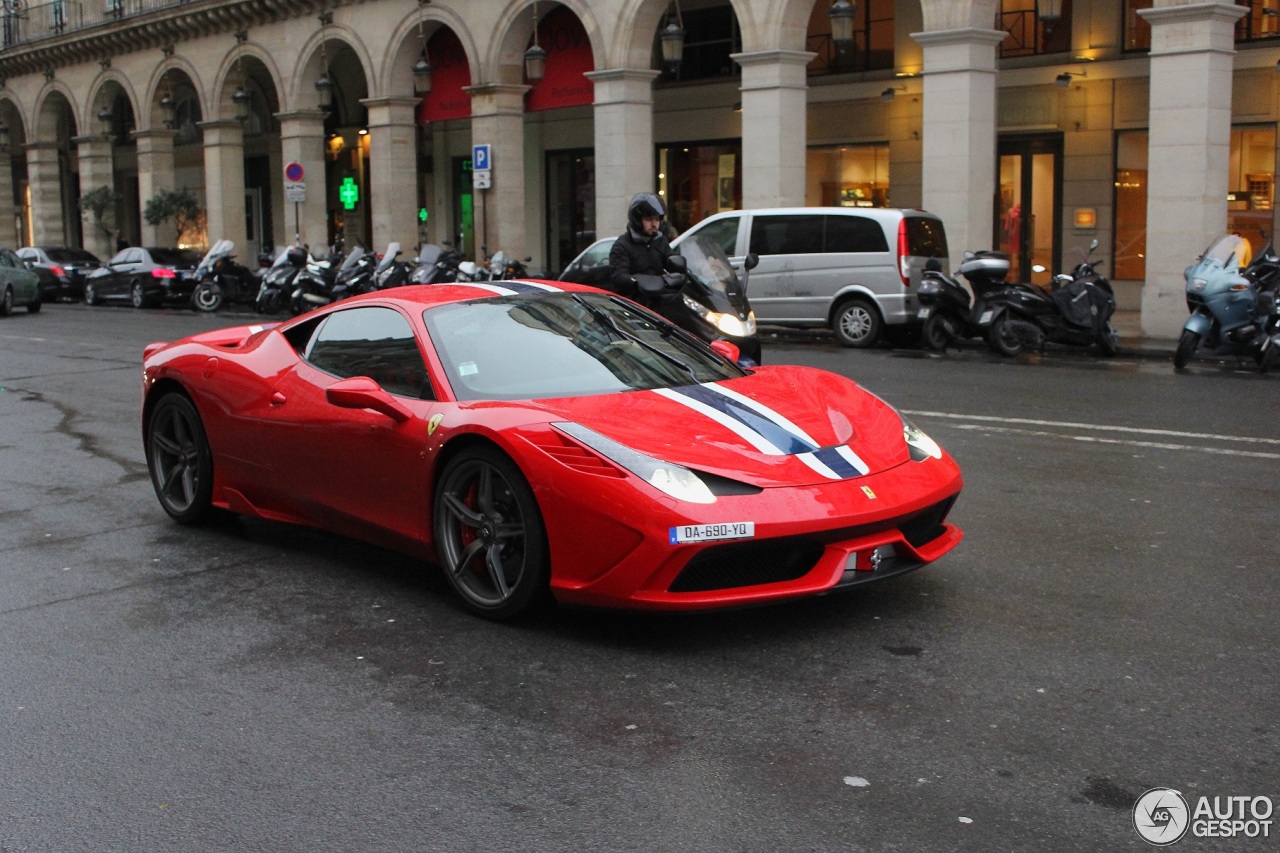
68, 256
174, 257
530, 347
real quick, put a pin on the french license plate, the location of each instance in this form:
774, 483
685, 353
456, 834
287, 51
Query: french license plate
712, 532
985, 318
923, 313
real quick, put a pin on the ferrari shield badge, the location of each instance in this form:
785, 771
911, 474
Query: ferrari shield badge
866, 490
433, 423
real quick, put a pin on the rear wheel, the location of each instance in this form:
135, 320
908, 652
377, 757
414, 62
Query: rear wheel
90, 294
137, 295
938, 331
1003, 337
179, 460
33, 307
490, 536
1187, 345
1107, 340
6, 302
207, 296
856, 324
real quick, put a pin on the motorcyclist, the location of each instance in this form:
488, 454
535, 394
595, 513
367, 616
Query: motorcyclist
643, 248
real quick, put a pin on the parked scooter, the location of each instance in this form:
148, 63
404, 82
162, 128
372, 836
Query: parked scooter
1075, 309
221, 280
391, 271
1231, 307
313, 286
948, 311
355, 276
702, 294
277, 281
435, 264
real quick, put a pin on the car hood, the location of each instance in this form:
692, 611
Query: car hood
777, 426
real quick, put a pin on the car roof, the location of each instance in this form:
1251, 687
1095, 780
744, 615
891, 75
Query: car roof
417, 296
797, 211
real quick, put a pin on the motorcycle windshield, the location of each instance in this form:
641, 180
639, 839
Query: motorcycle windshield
389, 256
1228, 251
429, 254
356, 254
709, 271
220, 249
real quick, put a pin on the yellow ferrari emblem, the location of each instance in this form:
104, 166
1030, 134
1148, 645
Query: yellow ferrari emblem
866, 490
433, 423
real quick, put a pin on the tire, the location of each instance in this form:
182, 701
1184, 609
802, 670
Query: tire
1270, 356
137, 295
937, 332
90, 294
1188, 342
856, 324
1003, 338
207, 296
35, 305
1107, 341
179, 460
6, 302
490, 536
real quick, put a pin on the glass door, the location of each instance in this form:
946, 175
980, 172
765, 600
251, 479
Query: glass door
1028, 216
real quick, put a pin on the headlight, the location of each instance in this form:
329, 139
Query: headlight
726, 323
1197, 285
919, 445
671, 479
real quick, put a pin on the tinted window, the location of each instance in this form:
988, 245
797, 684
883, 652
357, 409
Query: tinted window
722, 232
9, 259
926, 237
175, 257
595, 256
67, 256
854, 234
374, 342
799, 234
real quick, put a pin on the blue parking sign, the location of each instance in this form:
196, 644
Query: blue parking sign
480, 159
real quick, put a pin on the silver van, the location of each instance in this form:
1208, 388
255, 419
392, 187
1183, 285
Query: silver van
853, 269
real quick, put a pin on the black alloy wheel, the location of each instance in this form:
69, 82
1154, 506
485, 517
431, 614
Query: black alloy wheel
1188, 342
490, 536
179, 460
137, 295
1003, 337
90, 294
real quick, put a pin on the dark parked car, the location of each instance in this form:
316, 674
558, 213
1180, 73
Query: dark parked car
592, 266
18, 284
62, 270
144, 277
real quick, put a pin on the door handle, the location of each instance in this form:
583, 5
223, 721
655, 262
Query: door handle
277, 399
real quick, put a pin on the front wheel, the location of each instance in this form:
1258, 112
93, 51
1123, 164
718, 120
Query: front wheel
490, 536
938, 331
1003, 337
33, 307
179, 460
856, 324
90, 294
207, 296
1187, 345
6, 302
137, 295
1107, 339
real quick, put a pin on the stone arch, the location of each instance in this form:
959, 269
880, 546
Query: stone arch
251, 65
172, 68
505, 64
15, 118
46, 117
633, 44
325, 48
395, 76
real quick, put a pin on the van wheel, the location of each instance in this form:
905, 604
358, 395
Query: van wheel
856, 324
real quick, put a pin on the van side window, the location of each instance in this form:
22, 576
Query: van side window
791, 234
724, 233
854, 234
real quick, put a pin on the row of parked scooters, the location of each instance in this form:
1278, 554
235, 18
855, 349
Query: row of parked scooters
296, 281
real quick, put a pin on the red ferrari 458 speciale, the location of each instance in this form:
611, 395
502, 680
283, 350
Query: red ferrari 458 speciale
541, 440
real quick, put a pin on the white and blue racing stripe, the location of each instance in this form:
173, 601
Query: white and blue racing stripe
513, 287
766, 430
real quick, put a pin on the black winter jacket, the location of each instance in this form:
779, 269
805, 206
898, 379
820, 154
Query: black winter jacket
636, 255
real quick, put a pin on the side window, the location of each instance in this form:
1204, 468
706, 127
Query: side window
596, 256
854, 234
375, 342
787, 234
724, 233
6, 259
926, 237
133, 256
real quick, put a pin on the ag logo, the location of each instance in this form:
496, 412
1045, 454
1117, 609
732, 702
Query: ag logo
1161, 816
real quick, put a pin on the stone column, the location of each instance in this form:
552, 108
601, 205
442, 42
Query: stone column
774, 113
10, 233
623, 119
958, 178
96, 170
302, 142
155, 174
46, 194
224, 183
497, 119
393, 169
1192, 49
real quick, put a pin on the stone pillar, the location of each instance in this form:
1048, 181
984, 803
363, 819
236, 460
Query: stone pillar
96, 170
10, 232
1192, 49
224, 183
497, 119
958, 177
155, 175
393, 169
623, 119
302, 142
46, 194
774, 114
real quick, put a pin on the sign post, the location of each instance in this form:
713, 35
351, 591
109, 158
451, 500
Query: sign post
295, 190
482, 179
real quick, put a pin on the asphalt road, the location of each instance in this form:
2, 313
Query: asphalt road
1107, 626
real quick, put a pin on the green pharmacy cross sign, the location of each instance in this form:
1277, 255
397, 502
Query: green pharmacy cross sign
349, 193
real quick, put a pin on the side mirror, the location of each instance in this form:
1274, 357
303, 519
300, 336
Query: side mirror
676, 263
729, 350
751, 261
361, 392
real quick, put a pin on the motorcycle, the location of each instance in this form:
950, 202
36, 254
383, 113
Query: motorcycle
355, 276
314, 283
502, 267
391, 271
1075, 309
278, 279
701, 293
948, 311
220, 280
435, 264
1231, 307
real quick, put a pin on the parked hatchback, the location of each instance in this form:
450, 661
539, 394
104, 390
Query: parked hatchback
853, 269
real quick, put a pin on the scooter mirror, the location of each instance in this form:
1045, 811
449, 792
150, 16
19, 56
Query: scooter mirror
1093, 244
676, 263
751, 261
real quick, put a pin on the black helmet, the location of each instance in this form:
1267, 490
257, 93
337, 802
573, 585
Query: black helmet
642, 205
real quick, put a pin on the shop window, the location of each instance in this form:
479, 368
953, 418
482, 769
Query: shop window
1262, 22
847, 176
699, 179
1129, 252
872, 48
1027, 34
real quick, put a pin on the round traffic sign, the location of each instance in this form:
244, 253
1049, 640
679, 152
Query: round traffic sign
293, 171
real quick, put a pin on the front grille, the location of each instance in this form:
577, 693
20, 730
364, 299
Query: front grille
926, 526
748, 564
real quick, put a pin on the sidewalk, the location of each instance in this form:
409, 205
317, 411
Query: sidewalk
1128, 324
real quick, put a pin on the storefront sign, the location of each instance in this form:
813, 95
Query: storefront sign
449, 73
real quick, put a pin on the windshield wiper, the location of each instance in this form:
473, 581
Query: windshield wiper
613, 324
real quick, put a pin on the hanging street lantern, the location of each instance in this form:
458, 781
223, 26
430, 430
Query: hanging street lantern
841, 14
